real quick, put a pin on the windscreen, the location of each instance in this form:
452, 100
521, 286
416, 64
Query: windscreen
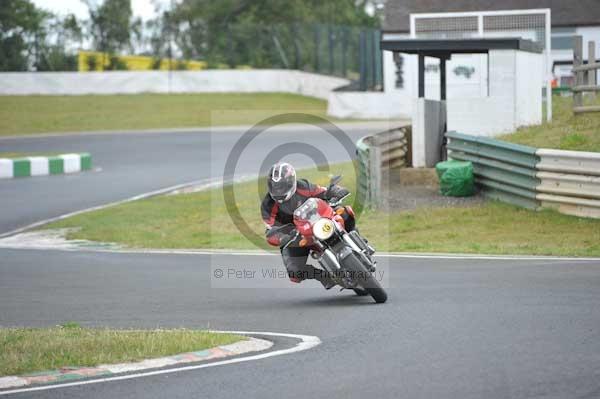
308, 211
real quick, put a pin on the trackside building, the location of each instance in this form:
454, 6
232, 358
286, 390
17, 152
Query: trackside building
468, 75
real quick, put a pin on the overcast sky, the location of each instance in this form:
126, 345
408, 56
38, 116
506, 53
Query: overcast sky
141, 8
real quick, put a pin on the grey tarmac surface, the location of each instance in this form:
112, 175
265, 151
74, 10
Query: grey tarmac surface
451, 329
135, 163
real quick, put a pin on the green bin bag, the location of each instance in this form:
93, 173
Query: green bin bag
456, 178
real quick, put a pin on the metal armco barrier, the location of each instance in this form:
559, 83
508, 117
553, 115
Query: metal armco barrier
568, 181
504, 171
377, 152
575, 162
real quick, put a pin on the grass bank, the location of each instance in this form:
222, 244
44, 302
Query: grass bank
26, 350
200, 220
43, 114
566, 131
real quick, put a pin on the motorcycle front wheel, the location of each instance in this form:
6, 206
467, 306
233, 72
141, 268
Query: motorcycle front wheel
366, 279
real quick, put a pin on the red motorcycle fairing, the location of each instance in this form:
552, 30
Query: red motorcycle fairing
308, 213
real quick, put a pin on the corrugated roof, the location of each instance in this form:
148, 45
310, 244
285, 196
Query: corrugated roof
564, 12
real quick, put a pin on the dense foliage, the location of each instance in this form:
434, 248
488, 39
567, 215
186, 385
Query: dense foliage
257, 33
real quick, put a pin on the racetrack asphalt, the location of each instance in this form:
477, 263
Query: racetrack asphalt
452, 328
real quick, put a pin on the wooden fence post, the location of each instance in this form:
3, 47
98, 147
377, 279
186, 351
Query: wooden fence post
592, 72
578, 61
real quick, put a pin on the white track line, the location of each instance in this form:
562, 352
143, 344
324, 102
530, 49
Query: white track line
306, 342
483, 257
378, 255
258, 253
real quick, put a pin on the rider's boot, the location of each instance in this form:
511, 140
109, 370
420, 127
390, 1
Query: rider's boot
325, 279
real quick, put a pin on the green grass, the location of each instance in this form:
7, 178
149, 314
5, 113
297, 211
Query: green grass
566, 131
43, 114
490, 228
200, 220
26, 350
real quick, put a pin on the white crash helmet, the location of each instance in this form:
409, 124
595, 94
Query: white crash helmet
282, 181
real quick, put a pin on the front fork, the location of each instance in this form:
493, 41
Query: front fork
353, 242
362, 247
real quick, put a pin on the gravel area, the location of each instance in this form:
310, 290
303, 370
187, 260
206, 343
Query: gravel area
399, 197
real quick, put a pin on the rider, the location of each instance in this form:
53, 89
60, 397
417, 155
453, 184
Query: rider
286, 193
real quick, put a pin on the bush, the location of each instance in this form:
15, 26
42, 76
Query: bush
116, 64
92, 62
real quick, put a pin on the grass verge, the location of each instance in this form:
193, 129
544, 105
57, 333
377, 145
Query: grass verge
567, 131
200, 220
42, 114
26, 350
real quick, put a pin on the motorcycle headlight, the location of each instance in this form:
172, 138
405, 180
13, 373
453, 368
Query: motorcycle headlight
323, 229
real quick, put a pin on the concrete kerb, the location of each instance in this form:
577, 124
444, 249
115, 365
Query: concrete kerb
44, 165
104, 370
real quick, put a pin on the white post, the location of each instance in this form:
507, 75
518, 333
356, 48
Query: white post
480, 25
410, 60
548, 66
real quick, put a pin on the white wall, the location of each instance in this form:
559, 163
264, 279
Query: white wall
488, 116
397, 102
588, 33
458, 85
528, 104
515, 97
209, 81
491, 114
368, 105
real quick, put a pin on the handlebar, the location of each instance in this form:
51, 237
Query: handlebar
277, 229
290, 227
339, 201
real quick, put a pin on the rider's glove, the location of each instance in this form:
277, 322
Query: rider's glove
335, 193
287, 238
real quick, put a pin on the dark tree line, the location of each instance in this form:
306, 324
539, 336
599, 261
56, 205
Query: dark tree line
304, 34
31, 38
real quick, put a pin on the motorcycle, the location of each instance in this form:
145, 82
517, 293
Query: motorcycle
346, 256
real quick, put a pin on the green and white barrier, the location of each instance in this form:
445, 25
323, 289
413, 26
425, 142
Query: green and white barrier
44, 166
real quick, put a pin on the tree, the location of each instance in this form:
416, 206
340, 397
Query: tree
31, 38
58, 55
261, 33
112, 25
21, 33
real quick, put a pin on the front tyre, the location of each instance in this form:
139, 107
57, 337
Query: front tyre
366, 280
